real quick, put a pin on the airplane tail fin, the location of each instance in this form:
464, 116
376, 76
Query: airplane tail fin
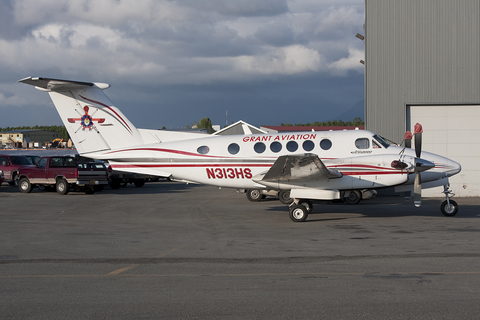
91, 119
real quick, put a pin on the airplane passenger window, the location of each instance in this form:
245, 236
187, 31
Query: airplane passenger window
276, 146
233, 148
292, 146
259, 147
203, 150
362, 143
308, 145
325, 144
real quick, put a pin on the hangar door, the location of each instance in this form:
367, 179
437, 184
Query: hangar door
454, 132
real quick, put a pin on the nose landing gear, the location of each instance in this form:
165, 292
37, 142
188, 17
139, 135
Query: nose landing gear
449, 207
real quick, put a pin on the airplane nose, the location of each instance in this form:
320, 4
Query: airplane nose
454, 167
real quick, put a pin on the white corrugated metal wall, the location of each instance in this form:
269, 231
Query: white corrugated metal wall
419, 52
422, 62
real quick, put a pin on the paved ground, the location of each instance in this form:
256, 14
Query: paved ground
176, 251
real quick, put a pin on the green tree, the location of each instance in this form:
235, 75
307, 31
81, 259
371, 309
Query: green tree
206, 123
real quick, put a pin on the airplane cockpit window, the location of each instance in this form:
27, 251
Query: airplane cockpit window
381, 141
233, 148
292, 146
203, 150
308, 145
276, 146
325, 144
362, 143
259, 147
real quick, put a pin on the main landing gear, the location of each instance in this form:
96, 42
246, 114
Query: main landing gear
449, 207
299, 210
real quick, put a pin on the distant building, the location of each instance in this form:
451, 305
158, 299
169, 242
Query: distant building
27, 138
280, 129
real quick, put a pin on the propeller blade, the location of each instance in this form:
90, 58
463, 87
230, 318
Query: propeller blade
408, 139
417, 190
418, 139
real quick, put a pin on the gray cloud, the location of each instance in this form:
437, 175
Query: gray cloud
166, 50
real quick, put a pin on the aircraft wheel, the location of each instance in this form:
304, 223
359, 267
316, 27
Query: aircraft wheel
307, 204
354, 197
255, 195
449, 210
298, 213
284, 197
24, 185
139, 183
62, 187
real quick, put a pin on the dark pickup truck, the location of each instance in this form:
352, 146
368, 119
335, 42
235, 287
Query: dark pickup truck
64, 174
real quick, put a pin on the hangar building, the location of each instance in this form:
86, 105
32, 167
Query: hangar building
422, 64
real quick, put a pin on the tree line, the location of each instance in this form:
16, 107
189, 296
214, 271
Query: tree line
335, 123
62, 131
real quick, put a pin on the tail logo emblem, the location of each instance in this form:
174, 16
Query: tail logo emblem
86, 121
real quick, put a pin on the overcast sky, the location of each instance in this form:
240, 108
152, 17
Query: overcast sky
173, 62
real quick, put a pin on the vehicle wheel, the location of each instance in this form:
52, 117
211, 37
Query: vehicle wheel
284, 197
24, 185
307, 204
89, 189
449, 210
62, 187
139, 183
298, 213
115, 184
354, 197
254, 195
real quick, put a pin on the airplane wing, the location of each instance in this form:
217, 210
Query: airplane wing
297, 169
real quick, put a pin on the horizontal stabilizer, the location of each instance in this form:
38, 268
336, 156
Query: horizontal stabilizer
48, 84
299, 168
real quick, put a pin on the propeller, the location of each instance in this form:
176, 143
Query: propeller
417, 186
408, 139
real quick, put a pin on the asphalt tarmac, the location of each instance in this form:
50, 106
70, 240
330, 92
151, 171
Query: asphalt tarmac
175, 251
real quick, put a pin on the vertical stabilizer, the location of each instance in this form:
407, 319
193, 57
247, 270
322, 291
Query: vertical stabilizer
91, 119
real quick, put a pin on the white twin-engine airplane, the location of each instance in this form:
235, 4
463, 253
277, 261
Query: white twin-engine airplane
324, 165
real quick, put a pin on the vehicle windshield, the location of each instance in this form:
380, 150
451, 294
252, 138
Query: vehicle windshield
20, 160
381, 141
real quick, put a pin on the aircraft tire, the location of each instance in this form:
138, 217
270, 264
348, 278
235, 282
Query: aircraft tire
255, 195
307, 204
298, 213
139, 183
284, 197
24, 185
449, 211
354, 197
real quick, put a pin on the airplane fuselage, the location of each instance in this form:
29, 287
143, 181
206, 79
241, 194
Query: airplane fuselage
364, 159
